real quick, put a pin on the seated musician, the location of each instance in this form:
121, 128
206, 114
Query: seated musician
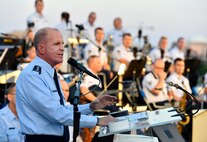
154, 85
94, 65
99, 50
31, 54
123, 53
177, 78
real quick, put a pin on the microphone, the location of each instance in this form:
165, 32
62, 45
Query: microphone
192, 98
80, 67
80, 27
139, 33
170, 83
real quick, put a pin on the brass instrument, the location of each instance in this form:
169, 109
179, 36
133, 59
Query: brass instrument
182, 106
75, 80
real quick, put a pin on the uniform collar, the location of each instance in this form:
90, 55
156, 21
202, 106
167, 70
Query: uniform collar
47, 67
178, 49
9, 113
124, 48
179, 78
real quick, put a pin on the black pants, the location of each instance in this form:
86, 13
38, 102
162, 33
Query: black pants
44, 138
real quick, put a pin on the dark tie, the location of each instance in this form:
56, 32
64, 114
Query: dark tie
66, 131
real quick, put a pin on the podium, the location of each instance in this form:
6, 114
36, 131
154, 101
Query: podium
199, 127
139, 121
134, 138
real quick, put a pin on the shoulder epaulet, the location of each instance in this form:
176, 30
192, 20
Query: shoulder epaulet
37, 69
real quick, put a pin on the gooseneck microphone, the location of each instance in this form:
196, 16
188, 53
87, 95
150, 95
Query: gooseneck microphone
191, 97
80, 67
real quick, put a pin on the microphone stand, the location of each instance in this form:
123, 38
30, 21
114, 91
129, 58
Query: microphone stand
5, 88
191, 101
76, 113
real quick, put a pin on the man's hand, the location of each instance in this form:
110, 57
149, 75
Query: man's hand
162, 75
102, 101
103, 121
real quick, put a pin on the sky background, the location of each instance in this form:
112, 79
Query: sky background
172, 18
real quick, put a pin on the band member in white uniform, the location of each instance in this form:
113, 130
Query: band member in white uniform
154, 85
98, 50
161, 52
116, 34
178, 51
89, 25
177, 78
38, 19
123, 53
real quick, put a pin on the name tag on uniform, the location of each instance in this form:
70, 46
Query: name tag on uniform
54, 90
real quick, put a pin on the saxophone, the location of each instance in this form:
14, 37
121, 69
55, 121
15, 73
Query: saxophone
182, 107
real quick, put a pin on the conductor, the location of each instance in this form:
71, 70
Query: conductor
41, 107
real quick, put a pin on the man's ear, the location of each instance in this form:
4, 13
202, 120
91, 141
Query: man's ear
41, 49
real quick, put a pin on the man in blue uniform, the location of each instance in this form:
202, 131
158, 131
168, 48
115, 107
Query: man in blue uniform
40, 103
9, 123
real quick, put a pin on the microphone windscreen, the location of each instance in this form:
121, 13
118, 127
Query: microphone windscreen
72, 61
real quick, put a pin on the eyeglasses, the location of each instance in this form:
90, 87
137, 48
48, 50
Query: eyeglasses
161, 68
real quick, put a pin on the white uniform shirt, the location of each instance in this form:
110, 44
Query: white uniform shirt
89, 30
176, 53
156, 54
91, 49
183, 82
40, 21
89, 81
149, 82
117, 36
139, 43
9, 126
65, 30
119, 53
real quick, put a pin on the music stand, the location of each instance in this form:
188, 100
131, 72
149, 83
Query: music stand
135, 69
133, 73
167, 66
191, 70
8, 59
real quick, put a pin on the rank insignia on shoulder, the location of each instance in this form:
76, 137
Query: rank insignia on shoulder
37, 69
